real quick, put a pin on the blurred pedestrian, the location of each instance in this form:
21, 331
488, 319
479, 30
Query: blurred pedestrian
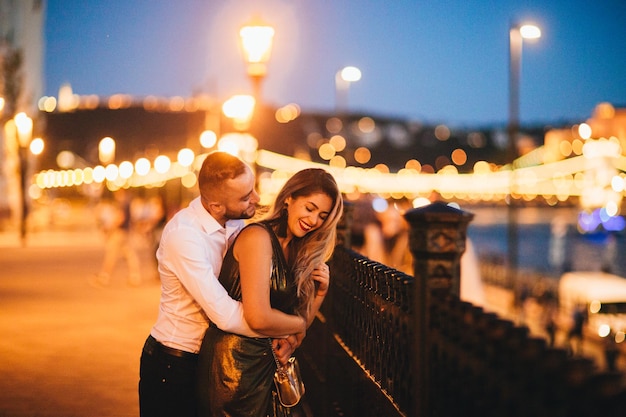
471, 286
550, 327
116, 223
395, 231
149, 218
611, 352
366, 230
575, 334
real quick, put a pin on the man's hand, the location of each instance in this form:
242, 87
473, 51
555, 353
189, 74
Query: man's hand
283, 350
296, 340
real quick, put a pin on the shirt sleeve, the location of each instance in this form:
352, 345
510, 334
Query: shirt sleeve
196, 261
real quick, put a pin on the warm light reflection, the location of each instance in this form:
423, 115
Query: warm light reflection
338, 142
366, 124
142, 166
36, 146
47, 104
362, 155
326, 151
99, 173
584, 131
442, 132
188, 180
176, 104
239, 108
596, 178
185, 157
413, 164
65, 159
126, 169
111, 172
162, 164
459, 157
119, 101
287, 113
208, 139
24, 125
106, 150
334, 125
337, 161
256, 39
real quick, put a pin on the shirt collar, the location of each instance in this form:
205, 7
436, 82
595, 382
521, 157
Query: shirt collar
209, 224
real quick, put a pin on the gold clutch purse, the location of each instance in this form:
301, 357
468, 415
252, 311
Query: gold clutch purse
288, 381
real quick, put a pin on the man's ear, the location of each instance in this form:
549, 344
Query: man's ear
216, 209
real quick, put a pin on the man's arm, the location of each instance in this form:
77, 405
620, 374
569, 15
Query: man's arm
196, 263
196, 267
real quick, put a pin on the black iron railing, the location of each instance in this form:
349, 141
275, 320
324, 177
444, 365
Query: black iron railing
390, 344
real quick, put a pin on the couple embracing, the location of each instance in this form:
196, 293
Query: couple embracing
210, 350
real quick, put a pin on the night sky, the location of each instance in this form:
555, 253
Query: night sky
430, 61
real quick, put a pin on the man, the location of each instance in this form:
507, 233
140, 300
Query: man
190, 256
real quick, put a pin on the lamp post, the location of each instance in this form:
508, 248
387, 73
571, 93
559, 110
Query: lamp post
256, 43
343, 78
24, 127
517, 34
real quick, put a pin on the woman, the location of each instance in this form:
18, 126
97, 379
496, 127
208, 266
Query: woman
276, 263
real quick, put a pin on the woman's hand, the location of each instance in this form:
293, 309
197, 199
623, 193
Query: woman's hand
321, 275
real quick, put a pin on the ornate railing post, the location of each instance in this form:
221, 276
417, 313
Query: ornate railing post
437, 241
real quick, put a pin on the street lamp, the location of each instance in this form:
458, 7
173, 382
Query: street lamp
343, 78
106, 150
256, 42
517, 34
24, 127
239, 109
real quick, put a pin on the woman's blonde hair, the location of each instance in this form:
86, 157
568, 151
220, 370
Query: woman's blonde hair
317, 246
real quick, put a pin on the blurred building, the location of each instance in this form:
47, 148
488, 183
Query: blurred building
21, 86
144, 130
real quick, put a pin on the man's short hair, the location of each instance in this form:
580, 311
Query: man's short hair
217, 168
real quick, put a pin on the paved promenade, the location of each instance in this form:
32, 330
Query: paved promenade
69, 349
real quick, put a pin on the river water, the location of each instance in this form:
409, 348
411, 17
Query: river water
548, 241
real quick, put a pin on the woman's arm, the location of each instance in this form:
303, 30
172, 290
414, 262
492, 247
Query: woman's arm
253, 251
321, 275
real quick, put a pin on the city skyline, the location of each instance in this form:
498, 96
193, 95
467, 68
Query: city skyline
436, 63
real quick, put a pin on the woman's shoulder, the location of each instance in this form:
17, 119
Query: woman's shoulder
256, 230
255, 238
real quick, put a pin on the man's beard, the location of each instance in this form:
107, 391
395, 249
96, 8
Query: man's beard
233, 215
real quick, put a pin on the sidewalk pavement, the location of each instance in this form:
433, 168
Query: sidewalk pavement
69, 349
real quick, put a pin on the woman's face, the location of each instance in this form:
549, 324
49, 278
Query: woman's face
307, 213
